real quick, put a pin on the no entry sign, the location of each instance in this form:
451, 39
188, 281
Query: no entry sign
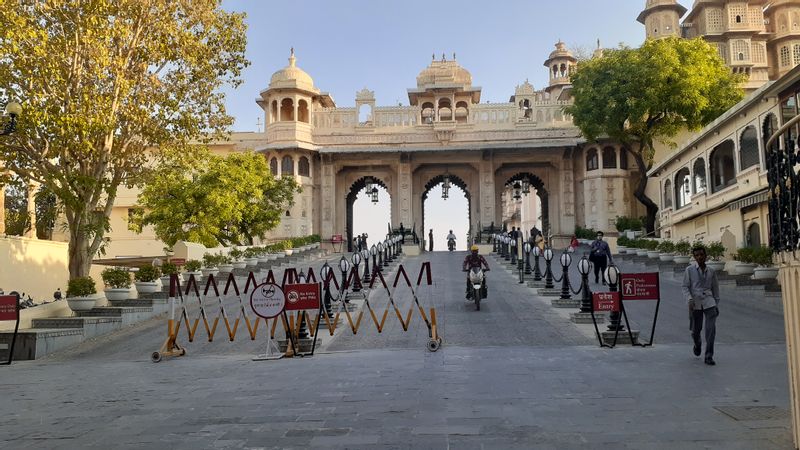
8, 307
267, 300
605, 301
640, 286
302, 296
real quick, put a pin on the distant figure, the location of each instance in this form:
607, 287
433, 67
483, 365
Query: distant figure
56, 294
364, 241
430, 240
535, 233
402, 233
600, 256
573, 244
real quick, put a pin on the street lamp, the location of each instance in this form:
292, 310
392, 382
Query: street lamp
548, 273
513, 243
584, 268
526, 186
517, 190
12, 110
380, 265
537, 273
325, 272
356, 260
365, 255
374, 195
566, 260
527, 248
507, 247
344, 266
376, 266
386, 259
612, 276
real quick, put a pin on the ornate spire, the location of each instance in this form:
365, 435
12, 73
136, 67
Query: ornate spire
292, 59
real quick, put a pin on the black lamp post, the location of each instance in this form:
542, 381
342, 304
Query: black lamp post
527, 248
302, 331
507, 247
365, 257
344, 266
13, 110
548, 272
494, 243
566, 260
380, 265
386, 259
585, 267
537, 273
356, 260
513, 243
326, 300
612, 276
376, 267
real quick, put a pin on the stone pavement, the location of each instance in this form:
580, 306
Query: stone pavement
517, 374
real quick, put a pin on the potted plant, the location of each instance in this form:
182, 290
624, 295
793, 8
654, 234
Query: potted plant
251, 256
641, 247
81, 294
762, 256
287, 247
193, 268
666, 251
210, 264
236, 256
225, 263
147, 279
118, 283
683, 252
652, 249
745, 261
167, 270
715, 250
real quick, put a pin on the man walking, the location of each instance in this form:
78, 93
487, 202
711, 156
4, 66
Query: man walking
430, 240
701, 289
600, 256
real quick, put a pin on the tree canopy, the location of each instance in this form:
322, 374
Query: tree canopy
214, 200
104, 84
638, 96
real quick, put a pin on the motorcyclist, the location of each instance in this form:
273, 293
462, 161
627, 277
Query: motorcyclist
451, 238
473, 259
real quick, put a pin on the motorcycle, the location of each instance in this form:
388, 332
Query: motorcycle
451, 244
476, 277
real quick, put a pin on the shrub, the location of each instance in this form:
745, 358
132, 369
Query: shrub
651, 244
81, 287
744, 255
252, 252
666, 246
147, 273
762, 256
285, 245
223, 259
585, 233
169, 268
700, 244
116, 278
236, 253
193, 265
210, 260
715, 250
623, 241
683, 248
628, 223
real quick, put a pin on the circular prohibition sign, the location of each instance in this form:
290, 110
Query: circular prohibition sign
267, 300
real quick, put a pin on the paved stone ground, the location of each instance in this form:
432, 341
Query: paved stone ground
517, 374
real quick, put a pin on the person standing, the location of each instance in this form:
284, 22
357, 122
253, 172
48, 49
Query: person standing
430, 240
600, 256
701, 289
402, 233
535, 233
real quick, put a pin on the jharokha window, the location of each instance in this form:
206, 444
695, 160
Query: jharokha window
592, 162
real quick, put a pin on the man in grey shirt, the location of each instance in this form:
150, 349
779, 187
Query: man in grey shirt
701, 290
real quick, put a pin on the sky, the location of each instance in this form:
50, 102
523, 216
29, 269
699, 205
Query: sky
347, 45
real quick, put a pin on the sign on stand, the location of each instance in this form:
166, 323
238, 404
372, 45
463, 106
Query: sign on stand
302, 296
606, 301
9, 310
641, 286
268, 301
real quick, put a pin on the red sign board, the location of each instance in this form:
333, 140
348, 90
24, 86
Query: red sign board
605, 301
337, 238
178, 261
8, 307
639, 286
302, 296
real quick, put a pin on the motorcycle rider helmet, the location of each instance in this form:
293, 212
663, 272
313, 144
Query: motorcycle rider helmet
474, 248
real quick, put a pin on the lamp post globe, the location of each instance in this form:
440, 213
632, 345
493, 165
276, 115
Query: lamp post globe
326, 298
356, 260
548, 272
527, 247
548, 254
566, 259
13, 109
612, 277
374, 252
537, 272
584, 268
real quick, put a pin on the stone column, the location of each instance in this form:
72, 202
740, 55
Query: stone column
405, 211
2, 209
486, 193
32, 188
790, 292
328, 195
567, 208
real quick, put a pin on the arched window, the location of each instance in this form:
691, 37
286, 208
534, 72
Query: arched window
287, 165
699, 169
274, 117
609, 158
273, 166
427, 112
302, 111
683, 192
753, 235
303, 167
591, 160
445, 110
723, 173
462, 112
768, 128
748, 148
287, 109
667, 194
623, 159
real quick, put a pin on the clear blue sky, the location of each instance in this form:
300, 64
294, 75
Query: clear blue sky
346, 45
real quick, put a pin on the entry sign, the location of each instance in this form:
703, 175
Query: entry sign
8, 307
606, 301
267, 300
640, 286
302, 296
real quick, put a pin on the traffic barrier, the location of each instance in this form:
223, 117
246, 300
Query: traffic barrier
180, 296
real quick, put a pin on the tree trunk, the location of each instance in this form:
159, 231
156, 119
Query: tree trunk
639, 193
79, 260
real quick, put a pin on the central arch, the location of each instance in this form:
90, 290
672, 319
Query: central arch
352, 194
455, 180
536, 183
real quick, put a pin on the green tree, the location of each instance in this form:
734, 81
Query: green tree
104, 84
638, 96
214, 200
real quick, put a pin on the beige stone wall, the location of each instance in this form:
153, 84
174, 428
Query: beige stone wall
33, 266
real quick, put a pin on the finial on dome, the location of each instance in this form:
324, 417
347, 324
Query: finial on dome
598, 43
433, 56
292, 59
454, 56
443, 58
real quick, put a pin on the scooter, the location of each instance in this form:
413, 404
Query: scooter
476, 277
451, 244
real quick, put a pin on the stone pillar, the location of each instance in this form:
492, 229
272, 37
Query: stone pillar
790, 292
567, 208
2, 209
487, 199
32, 188
328, 195
405, 211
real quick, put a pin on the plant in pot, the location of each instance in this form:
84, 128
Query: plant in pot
622, 244
641, 247
81, 294
118, 283
745, 261
715, 251
666, 251
147, 279
192, 267
237, 258
225, 263
251, 256
287, 247
683, 252
167, 270
652, 249
762, 256
210, 264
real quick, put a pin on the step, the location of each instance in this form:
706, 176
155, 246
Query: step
622, 339
552, 292
565, 303
36, 343
586, 317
